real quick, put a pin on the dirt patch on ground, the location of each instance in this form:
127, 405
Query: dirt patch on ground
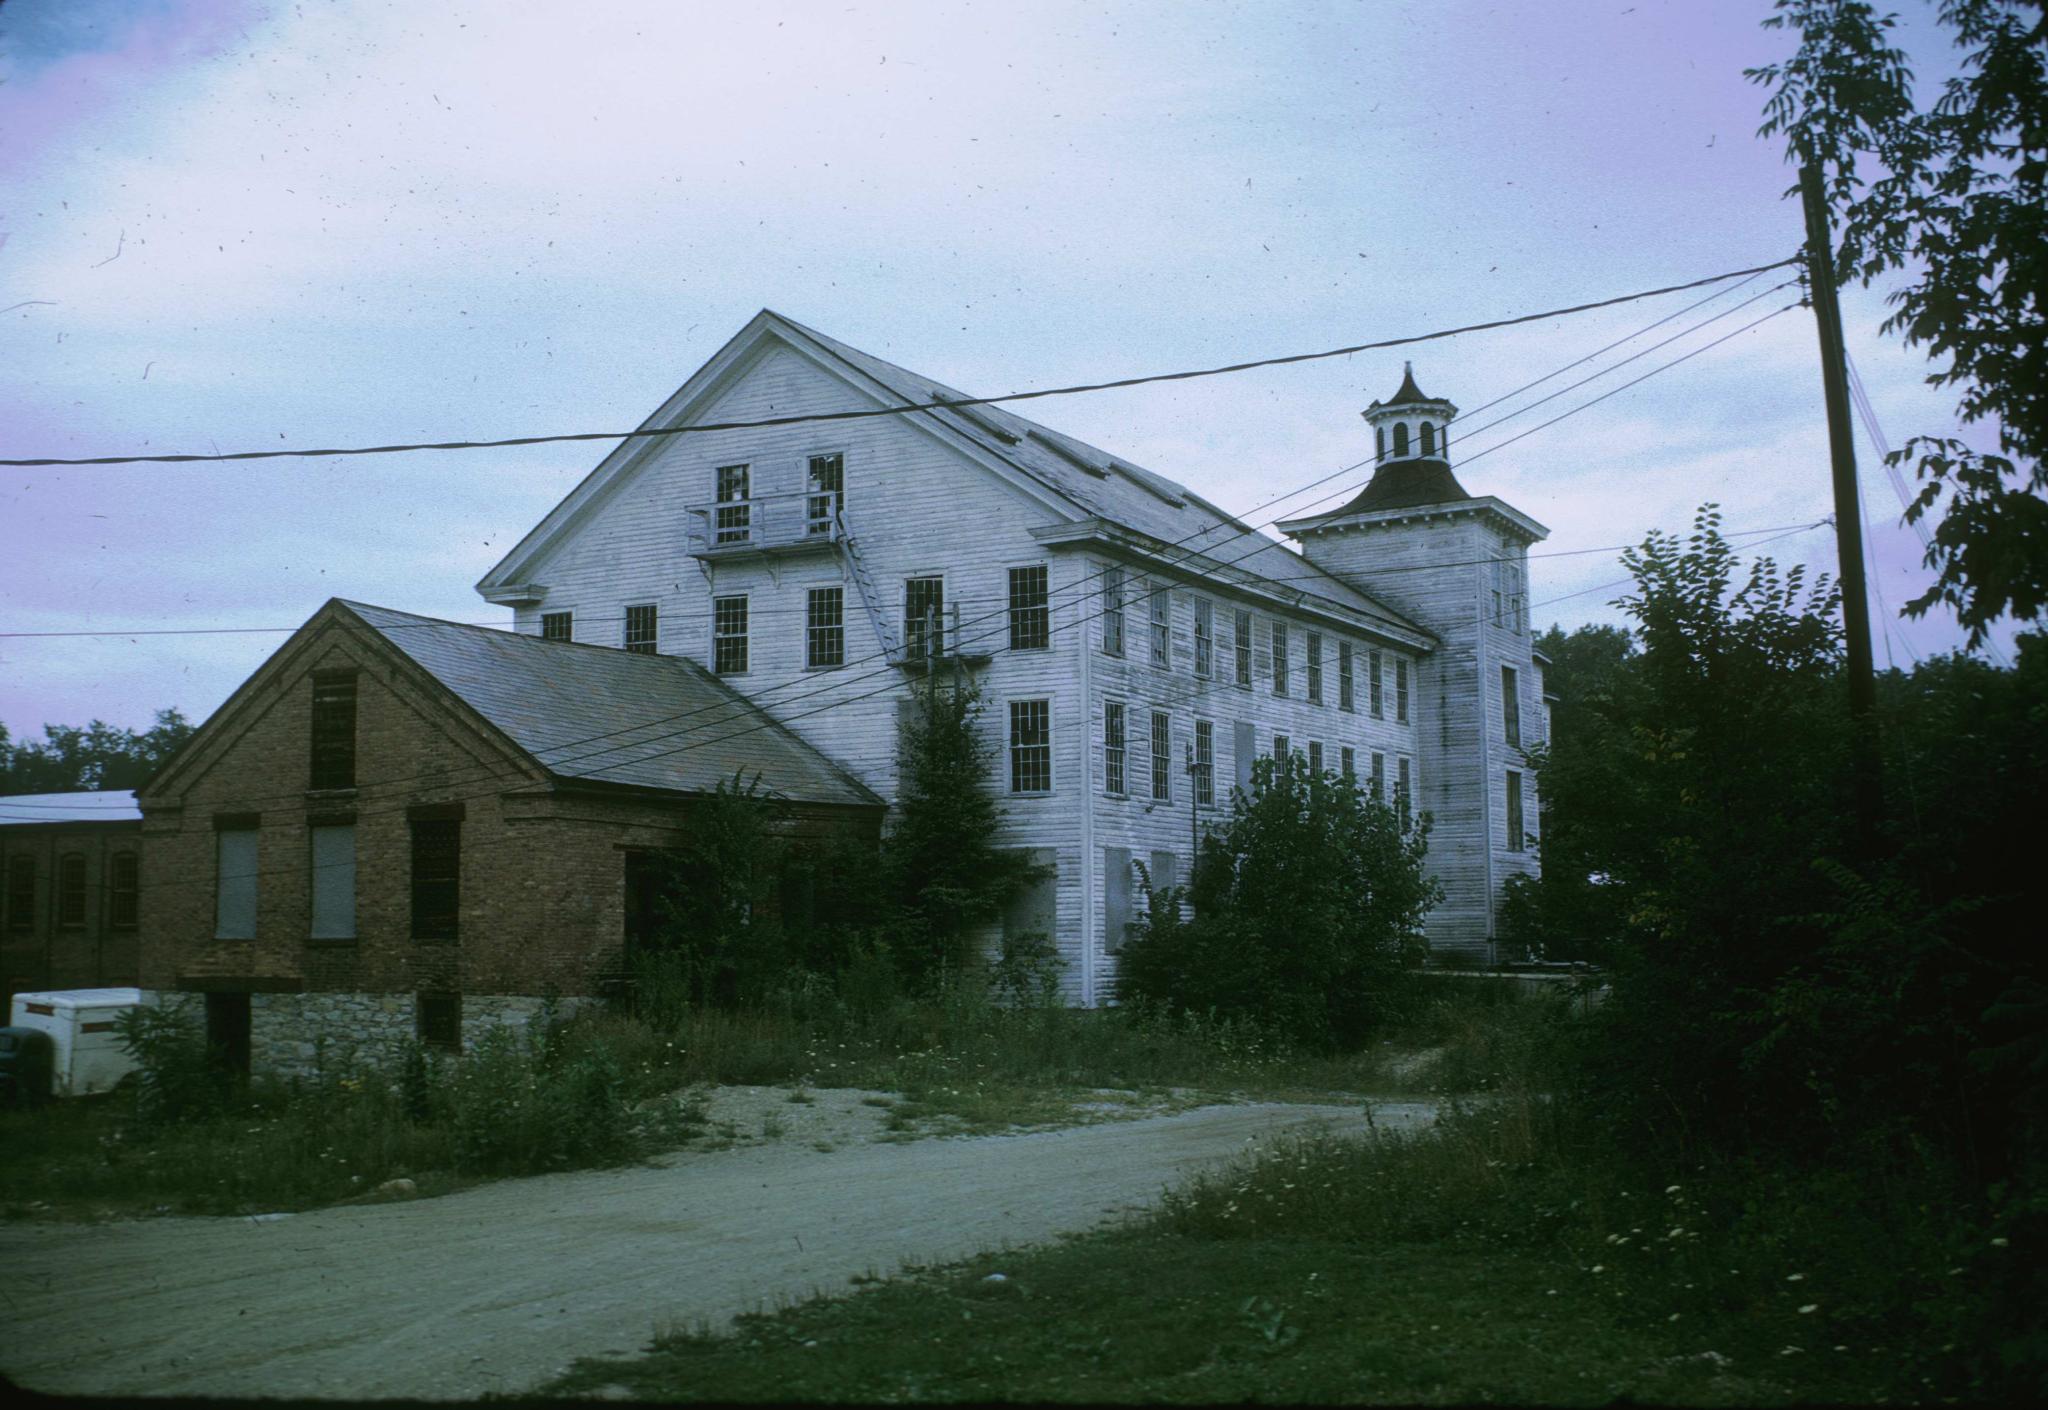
500, 1287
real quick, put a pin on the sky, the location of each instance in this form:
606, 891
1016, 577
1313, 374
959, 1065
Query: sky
236, 224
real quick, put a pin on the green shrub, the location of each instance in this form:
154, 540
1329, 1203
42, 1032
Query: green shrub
176, 1078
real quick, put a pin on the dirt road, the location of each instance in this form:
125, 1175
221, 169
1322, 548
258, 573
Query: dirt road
499, 1287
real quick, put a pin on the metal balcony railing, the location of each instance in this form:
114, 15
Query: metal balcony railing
772, 523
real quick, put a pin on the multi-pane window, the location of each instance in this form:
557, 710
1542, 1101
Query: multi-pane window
1401, 789
1113, 610
333, 853
643, 628
21, 893
824, 628
1347, 691
1161, 607
440, 1020
1510, 707
1373, 681
733, 517
924, 618
1280, 747
1113, 747
71, 891
124, 887
1030, 746
1241, 648
334, 731
234, 891
1279, 658
1348, 763
1401, 689
1205, 637
729, 635
1205, 763
1515, 839
557, 626
1379, 775
436, 878
1312, 652
1315, 756
1030, 617
826, 479
1162, 757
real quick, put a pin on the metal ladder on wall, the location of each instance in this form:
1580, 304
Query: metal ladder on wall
864, 582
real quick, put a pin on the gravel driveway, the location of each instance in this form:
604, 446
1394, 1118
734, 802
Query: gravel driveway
499, 1287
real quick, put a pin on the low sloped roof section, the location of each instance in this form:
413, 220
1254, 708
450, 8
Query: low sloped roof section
84, 806
615, 717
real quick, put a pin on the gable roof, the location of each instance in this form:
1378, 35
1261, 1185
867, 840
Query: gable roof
1086, 481
611, 716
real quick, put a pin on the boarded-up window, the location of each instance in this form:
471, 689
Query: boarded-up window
436, 878
1165, 869
1243, 749
234, 913
1116, 897
123, 890
334, 882
334, 731
1032, 911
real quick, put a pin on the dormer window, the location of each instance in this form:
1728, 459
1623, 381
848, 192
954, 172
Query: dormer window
1428, 438
1400, 438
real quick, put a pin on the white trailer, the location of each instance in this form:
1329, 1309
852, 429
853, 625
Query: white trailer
88, 1056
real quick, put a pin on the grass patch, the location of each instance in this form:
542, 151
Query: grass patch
1511, 1253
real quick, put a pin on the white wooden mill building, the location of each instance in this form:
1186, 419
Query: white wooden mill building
1123, 628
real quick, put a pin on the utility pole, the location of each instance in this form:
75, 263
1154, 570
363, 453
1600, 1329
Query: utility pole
1827, 313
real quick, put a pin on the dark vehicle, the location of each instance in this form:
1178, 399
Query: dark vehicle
27, 1062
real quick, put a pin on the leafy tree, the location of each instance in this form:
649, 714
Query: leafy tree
712, 937
97, 755
1950, 194
1713, 779
1308, 905
945, 875
1569, 910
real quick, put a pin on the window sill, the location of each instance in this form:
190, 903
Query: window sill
1031, 793
331, 795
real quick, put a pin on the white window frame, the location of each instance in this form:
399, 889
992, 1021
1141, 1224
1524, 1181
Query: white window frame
745, 636
821, 506
903, 606
1204, 781
1312, 665
1114, 581
732, 517
1116, 758
1276, 641
1243, 625
1159, 625
1205, 638
1161, 761
1044, 607
811, 629
1012, 746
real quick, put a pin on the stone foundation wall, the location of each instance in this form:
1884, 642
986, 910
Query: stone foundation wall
300, 1035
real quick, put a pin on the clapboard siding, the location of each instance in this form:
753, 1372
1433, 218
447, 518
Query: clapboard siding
919, 501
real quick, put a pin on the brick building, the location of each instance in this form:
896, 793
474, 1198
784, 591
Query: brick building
69, 914
404, 826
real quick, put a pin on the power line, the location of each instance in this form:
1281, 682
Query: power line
830, 686
646, 432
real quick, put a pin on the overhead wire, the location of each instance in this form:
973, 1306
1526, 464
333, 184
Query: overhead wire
699, 428
744, 703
